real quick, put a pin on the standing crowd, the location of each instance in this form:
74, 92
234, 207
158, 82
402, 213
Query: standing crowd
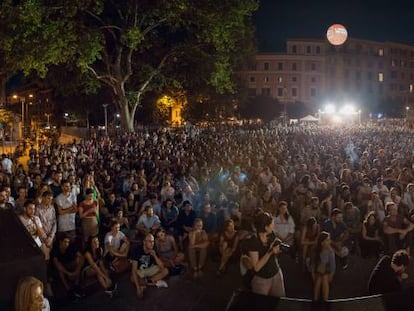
158, 203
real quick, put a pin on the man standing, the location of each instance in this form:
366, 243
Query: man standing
33, 225
147, 265
67, 208
388, 273
47, 214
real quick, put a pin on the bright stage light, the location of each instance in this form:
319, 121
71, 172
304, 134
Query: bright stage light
347, 110
329, 108
336, 119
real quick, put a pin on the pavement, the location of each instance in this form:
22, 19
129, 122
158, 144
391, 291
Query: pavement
213, 293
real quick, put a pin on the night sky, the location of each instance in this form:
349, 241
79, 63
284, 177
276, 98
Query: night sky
378, 20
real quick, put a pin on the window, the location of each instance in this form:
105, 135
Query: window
252, 79
294, 92
308, 49
411, 88
266, 79
252, 92
312, 92
279, 92
381, 65
266, 66
380, 52
266, 91
393, 63
393, 75
280, 79
318, 50
294, 67
313, 66
280, 66
313, 79
402, 75
357, 75
369, 76
294, 50
294, 79
380, 77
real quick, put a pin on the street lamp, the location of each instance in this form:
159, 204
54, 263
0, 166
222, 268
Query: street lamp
66, 119
22, 99
106, 118
407, 109
48, 120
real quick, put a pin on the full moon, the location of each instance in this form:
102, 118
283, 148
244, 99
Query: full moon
337, 34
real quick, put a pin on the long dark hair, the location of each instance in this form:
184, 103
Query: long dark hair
318, 249
261, 221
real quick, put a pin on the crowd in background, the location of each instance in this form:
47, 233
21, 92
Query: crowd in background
159, 202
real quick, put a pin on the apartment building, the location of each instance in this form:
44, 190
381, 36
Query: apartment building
314, 72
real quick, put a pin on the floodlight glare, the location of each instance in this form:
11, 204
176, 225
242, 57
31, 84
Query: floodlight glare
347, 109
330, 109
336, 119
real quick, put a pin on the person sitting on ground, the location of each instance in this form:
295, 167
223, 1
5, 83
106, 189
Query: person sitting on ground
371, 241
228, 245
94, 266
68, 262
323, 266
167, 249
116, 245
147, 267
387, 275
185, 219
29, 295
198, 244
148, 222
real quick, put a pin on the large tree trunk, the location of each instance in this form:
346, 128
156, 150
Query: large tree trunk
127, 114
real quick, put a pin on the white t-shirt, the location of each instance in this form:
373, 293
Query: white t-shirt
113, 240
66, 222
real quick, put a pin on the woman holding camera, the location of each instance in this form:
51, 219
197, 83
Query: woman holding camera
268, 276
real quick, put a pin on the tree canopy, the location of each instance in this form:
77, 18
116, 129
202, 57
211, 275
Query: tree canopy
132, 46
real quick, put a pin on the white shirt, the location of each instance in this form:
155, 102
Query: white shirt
66, 222
113, 240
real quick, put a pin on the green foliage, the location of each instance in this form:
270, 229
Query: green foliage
131, 46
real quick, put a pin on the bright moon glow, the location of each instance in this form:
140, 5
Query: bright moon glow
337, 34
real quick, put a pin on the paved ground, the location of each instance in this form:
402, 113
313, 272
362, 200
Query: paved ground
212, 293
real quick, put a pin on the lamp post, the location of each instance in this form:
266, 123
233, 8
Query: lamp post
48, 119
106, 118
66, 119
407, 109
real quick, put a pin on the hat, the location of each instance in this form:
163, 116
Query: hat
89, 191
336, 211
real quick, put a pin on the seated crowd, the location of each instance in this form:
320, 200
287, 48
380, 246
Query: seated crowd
162, 202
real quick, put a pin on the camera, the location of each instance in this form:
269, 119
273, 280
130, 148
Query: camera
284, 248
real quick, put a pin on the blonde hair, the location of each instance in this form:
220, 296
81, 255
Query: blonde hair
25, 295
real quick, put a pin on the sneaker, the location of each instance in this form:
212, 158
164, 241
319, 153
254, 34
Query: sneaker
161, 283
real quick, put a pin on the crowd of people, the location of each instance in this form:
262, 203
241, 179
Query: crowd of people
160, 202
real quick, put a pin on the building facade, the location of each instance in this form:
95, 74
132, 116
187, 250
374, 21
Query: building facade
314, 72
